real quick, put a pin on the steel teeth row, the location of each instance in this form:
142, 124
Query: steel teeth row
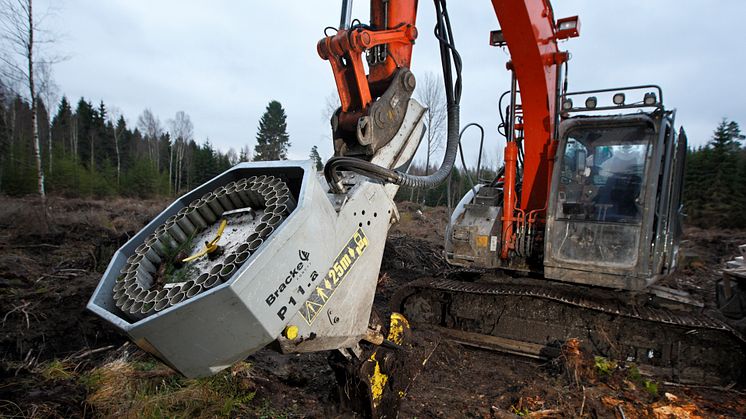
134, 292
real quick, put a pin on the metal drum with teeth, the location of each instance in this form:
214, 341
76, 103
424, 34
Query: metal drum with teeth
222, 271
242, 203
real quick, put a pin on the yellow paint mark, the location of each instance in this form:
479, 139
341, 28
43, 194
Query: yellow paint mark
397, 326
291, 332
378, 379
378, 382
483, 241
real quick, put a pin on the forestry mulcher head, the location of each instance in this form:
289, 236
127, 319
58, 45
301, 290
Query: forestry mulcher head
259, 253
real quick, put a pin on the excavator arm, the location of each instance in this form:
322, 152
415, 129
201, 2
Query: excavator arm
531, 35
372, 104
363, 124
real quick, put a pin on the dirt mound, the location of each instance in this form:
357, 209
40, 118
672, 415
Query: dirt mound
416, 257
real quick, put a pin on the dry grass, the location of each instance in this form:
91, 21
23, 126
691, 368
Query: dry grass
57, 369
148, 389
135, 386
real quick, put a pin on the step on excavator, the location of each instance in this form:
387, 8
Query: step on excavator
569, 239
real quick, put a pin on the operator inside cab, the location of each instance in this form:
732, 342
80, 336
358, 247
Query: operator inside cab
602, 172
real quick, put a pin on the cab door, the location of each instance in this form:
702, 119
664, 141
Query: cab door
676, 209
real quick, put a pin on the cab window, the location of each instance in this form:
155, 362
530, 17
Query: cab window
602, 172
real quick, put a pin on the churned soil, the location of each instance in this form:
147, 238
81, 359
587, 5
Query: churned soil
58, 360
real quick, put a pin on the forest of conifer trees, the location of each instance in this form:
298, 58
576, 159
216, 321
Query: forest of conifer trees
715, 180
88, 151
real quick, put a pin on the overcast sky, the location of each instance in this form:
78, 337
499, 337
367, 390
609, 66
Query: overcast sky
223, 61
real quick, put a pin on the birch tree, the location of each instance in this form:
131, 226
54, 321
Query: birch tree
182, 131
430, 93
150, 126
245, 154
116, 120
331, 104
20, 37
48, 92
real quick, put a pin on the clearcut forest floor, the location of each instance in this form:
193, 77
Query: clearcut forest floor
58, 360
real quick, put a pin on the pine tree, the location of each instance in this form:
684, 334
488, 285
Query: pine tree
714, 194
4, 135
726, 137
85, 127
62, 128
696, 179
272, 139
316, 158
724, 175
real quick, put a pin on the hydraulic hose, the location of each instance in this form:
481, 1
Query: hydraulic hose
449, 158
395, 176
453, 96
463, 161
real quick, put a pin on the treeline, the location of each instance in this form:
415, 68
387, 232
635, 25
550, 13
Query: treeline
90, 152
715, 180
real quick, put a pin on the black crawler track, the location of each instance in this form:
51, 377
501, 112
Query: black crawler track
532, 317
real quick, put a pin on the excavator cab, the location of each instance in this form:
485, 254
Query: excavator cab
614, 214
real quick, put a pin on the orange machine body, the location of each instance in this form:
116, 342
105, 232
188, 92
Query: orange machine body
392, 26
531, 34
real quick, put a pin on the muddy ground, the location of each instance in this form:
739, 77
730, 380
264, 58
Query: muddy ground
58, 360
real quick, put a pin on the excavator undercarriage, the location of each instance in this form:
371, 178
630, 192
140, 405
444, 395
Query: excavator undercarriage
528, 317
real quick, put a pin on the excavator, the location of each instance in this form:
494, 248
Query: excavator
569, 240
